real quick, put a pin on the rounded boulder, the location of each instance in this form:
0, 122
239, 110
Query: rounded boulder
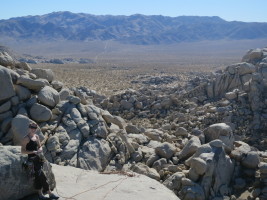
40, 113
165, 150
48, 96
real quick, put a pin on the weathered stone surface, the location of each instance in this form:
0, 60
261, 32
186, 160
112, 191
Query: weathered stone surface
132, 129
48, 96
154, 134
130, 188
126, 104
152, 159
240, 150
252, 55
15, 100
216, 174
40, 113
17, 184
6, 59
95, 154
263, 167
53, 144
93, 112
220, 131
19, 127
5, 107
70, 150
23, 65
191, 190
5, 115
73, 99
62, 135
22, 92
113, 119
174, 182
6, 125
57, 85
31, 84
245, 68
6, 85
44, 74
141, 168
159, 164
190, 148
231, 95
139, 138
99, 129
181, 132
64, 93
81, 93
251, 160
74, 134
166, 150
208, 107
84, 128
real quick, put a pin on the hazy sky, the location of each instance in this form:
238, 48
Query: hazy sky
230, 10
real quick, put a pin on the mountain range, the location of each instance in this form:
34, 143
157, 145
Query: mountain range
134, 29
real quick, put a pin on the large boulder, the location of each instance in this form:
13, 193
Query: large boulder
5, 107
70, 150
251, 160
6, 59
211, 168
48, 96
19, 128
190, 148
240, 150
23, 65
245, 68
15, 183
174, 182
31, 84
95, 154
141, 168
99, 129
253, 55
165, 150
44, 74
22, 92
40, 113
222, 132
191, 190
62, 135
113, 119
72, 181
5, 115
6, 85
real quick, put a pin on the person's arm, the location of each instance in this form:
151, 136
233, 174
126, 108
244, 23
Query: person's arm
23, 146
40, 148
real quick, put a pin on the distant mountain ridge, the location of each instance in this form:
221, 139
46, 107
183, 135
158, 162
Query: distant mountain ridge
134, 29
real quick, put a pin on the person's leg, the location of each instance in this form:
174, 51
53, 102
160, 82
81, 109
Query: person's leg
45, 186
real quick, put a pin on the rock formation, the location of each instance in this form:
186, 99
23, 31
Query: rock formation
204, 140
15, 182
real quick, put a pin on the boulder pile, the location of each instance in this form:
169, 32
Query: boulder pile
15, 181
201, 141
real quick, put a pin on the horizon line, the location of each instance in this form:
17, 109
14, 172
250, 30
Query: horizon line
33, 15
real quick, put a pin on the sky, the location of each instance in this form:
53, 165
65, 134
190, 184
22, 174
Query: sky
230, 10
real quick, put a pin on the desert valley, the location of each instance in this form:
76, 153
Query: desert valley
135, 107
